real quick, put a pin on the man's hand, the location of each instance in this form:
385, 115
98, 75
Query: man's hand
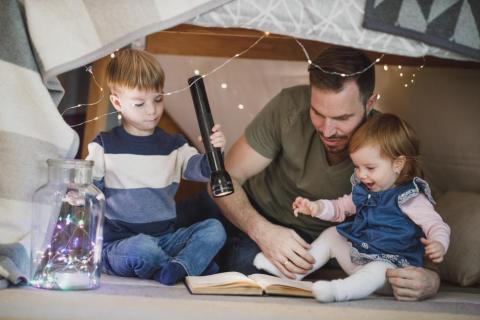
285, 249
413, 283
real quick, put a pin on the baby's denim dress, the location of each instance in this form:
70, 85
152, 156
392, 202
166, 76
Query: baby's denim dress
380, 230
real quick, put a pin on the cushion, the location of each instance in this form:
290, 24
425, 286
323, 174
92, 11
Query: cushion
461, 211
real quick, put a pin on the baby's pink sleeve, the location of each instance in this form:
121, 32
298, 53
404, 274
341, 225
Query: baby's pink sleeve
421, 211
337, 210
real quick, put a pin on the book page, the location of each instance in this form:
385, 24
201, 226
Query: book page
223, 283
280, 286
218, 278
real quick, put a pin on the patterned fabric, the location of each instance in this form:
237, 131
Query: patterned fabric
330, 21
139, 176
452, 25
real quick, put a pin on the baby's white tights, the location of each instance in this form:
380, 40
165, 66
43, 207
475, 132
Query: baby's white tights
361, 282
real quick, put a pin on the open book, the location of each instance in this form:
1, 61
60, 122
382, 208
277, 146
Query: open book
235, 283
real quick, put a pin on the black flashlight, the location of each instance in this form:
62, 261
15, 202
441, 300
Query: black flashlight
220, 180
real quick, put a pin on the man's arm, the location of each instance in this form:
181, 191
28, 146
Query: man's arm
279, 244
413, 283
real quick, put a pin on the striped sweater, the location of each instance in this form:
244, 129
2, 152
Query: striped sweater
139, 176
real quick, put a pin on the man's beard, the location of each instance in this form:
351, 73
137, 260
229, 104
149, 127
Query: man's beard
338, 149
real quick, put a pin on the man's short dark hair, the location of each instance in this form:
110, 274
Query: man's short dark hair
343, 60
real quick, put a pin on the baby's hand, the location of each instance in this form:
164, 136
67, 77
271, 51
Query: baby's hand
217, 139
306, 207
434, 250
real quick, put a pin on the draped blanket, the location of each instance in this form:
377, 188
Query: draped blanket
31, 131
453, 25
40, 39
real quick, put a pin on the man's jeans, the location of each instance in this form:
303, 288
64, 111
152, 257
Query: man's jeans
239, 250
193, 247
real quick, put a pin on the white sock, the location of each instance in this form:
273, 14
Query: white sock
262, 263
323, 291
359, 285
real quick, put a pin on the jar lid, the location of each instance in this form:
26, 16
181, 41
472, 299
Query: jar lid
70, 163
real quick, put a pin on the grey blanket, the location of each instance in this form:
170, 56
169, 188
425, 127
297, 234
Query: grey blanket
31, 131
452, 25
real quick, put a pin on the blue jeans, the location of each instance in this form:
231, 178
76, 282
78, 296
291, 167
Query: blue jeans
239, 250
193, 247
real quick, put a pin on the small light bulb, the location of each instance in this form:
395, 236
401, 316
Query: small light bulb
112, 55
401, 74
309, 61
399, 67
385, 67
343, 75
240, 106
406, 85
377, 60
197, 72
224, 85
411, 81
413, 75
267, 33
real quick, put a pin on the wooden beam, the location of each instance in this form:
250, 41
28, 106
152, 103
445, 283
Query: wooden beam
225, 42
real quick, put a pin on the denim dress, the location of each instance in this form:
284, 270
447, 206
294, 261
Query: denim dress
380, 230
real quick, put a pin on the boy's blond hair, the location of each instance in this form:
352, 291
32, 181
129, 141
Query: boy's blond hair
395, 138
134, 69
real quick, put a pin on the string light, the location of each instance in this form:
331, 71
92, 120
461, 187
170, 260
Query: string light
224, 85
411, 81
69, 259
343, 75
88, 69
94, 119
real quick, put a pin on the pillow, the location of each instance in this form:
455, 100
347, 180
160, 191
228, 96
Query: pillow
461, 211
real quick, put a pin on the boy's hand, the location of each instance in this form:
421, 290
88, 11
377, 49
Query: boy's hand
306, 207
217, 139
434, 250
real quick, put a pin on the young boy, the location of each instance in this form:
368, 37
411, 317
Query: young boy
138, 166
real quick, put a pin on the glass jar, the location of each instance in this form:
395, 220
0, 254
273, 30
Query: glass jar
67, 228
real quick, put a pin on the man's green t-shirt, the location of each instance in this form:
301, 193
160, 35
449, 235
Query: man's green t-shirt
283, 132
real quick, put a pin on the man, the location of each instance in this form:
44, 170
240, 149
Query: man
297, 146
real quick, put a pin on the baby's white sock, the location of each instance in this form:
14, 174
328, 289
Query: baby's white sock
359, 285
323, 291
262, 263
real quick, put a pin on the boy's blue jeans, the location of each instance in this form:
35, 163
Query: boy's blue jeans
239, 250
193, 247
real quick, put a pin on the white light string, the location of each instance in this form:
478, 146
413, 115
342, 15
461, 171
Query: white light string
240, 106
88, 69
343, 75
